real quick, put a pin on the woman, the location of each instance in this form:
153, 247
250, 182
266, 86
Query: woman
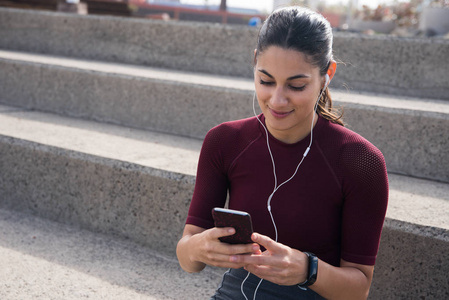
317, 192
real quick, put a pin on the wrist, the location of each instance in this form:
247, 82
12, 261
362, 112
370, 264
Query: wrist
312, 270
187, 256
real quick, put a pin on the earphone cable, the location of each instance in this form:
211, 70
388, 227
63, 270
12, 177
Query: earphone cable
276, 187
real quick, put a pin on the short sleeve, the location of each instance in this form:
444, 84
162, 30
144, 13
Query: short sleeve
211, 181
365, 187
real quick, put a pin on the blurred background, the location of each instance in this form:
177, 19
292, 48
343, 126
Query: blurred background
407, 18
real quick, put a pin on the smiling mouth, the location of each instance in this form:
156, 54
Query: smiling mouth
279, 114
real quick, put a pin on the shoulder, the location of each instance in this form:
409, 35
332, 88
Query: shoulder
226, 141
349, 142
356, 154
238, 125
238, 129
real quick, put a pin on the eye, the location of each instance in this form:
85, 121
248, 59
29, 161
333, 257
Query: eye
266, 82
297, 88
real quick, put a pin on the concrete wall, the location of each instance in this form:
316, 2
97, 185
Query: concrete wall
191, 109
149, 206
407, 249
398, 66
189, 46
103, 195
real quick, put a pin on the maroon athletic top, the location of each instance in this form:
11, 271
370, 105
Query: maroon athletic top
334, 207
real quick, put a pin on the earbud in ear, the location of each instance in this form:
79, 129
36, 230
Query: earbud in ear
327, 80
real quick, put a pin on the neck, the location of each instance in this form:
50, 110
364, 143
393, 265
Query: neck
294, 135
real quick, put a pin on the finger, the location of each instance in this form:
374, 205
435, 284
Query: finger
219, 254
239, 249
266, 242
221, 261
216, 246
218, 232
257, 250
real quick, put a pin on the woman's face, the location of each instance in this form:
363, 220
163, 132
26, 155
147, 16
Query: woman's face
287, 88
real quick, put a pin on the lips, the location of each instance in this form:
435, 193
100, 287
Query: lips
279, 114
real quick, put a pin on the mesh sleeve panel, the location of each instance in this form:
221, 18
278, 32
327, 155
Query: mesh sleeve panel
365, 186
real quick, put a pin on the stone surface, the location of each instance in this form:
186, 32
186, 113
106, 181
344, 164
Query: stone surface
418, 201
156, 150
398, 66
143, 101
103, 195
166, 156
41, 259
413, 263
117, 192
202, 47
189, 104
46, 260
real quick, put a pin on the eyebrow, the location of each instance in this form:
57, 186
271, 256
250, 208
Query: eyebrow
290, 78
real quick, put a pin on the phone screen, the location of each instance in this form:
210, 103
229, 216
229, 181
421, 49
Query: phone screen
239, 220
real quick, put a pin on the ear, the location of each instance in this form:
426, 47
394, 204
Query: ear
255, 57
332, 69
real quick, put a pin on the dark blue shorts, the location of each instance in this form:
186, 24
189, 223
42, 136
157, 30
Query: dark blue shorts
230, 289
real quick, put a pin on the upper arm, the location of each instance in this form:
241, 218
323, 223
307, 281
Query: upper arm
211, 184
365, 202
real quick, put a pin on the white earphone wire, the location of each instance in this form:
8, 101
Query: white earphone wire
276, 187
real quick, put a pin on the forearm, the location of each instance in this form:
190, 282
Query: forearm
346, 282
184, 254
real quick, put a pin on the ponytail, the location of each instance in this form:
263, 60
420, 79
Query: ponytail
327, 111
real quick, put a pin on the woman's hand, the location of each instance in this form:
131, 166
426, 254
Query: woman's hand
279, 264
199, 247
211, 251
286, 266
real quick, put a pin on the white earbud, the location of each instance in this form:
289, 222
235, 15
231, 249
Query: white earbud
327, 81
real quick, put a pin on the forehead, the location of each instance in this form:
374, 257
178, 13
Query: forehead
285, 62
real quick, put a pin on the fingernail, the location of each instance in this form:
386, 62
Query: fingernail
233, 258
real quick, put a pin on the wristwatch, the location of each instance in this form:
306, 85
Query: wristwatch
312, 270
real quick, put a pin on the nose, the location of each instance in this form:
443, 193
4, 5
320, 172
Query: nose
279, 97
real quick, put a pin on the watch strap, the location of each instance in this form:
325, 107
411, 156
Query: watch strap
312, 272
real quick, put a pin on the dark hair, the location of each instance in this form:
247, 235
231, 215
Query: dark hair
308, 32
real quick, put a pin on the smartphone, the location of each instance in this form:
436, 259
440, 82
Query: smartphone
239, 220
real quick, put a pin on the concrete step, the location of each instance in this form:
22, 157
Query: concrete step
108, 179
368, 63
103, 177
189, 104
42, 259
148, 98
